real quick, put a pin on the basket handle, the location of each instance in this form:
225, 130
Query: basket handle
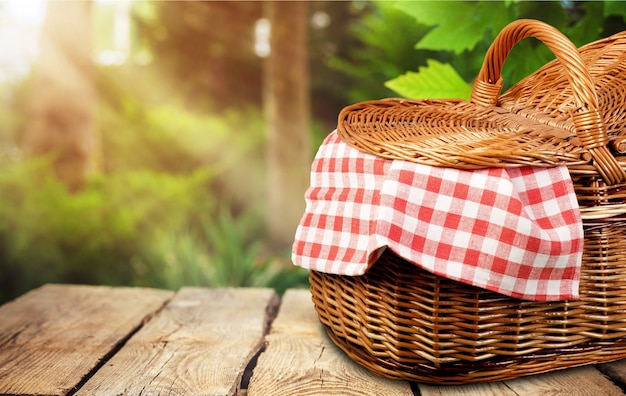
589, 124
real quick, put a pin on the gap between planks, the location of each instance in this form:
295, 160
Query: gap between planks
116, 348
200, 343
300, 359
54, 336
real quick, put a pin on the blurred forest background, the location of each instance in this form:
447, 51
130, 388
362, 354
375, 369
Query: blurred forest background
163, 144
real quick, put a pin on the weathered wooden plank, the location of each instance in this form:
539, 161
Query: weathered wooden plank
53, 336
484, 389
570, 382
576, 382
199, 344
300, 359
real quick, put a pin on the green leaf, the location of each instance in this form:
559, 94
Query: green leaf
614, 8
437, 80
459, 25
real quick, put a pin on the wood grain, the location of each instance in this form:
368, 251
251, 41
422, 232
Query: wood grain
93, 340
485, 389
570, 382
301, 360
53, 336
199, 344
579, 381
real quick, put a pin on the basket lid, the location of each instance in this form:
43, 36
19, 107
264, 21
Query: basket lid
553, 117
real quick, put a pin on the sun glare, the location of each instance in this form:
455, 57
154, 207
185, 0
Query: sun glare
20, 21
30, 12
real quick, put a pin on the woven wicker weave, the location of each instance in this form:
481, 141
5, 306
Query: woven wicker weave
402, 322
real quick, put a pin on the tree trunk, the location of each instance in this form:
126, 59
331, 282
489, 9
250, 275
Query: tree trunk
287, 111
62, 104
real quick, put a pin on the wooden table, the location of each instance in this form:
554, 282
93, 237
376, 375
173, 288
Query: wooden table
95, 340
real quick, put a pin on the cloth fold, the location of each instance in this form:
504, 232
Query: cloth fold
515, 231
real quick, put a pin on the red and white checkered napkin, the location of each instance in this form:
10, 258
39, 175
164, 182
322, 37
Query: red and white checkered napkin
516, 231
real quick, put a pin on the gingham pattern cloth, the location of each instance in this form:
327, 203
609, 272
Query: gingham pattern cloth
515, 231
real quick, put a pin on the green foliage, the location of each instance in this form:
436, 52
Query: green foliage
153, 131
223, 251
460, 33
614, 8
179, 201
458, 26
438, 80
157, 216
48, 234
383, 48
130, 228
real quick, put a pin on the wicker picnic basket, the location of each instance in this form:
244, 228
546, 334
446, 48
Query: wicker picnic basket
403, 322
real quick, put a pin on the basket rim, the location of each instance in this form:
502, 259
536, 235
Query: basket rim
480, 133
